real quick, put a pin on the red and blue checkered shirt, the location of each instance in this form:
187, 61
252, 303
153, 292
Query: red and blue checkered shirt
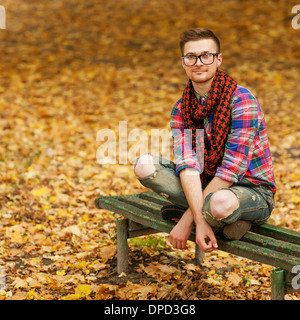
247, 153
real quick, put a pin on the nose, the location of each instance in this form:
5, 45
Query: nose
198, 62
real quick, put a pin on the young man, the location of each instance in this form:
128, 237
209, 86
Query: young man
234, 187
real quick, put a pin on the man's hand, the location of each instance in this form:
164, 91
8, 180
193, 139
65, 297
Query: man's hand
205, 237
182, 230
191, 184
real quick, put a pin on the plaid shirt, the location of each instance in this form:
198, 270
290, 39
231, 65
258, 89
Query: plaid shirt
247, 152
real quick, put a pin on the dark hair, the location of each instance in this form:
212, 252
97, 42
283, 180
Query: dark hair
198, 34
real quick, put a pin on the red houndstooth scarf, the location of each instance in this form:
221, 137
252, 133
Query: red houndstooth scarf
193, 113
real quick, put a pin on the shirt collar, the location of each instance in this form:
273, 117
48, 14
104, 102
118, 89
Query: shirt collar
201, 98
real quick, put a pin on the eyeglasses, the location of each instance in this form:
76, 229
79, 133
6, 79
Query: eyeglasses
207, 58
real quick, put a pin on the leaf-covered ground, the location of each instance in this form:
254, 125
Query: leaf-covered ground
71, 68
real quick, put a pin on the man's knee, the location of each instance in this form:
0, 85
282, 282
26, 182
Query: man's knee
223, 203
144, 166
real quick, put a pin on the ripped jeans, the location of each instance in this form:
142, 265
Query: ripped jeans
256, 201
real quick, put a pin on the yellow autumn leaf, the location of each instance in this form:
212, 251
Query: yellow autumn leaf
51, 58
38, 192
103, 175
295, 199
52, 198
72, 296
80, 265
83, 198
83, 290
32, 294
61, 273
213, 281
296, 176
222, 254
16, 236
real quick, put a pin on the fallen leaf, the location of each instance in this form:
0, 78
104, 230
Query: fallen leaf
19, 283
107, 253
234, 278
74, 229
83, 290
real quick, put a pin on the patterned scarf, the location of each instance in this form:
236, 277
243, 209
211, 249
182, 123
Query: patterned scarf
193, 113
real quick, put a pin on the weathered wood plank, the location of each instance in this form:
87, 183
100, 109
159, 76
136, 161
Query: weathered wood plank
137, 229
138, 215
154, 197
257, 253
142, 204
274, 244
277, 232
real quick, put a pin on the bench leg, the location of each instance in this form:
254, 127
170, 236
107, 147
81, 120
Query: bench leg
122, 246
277, 284
199, 254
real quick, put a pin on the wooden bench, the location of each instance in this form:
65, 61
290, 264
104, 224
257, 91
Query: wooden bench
268, 244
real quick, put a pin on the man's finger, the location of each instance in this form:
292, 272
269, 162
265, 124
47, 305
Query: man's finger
207, 244
203, 244
213, 240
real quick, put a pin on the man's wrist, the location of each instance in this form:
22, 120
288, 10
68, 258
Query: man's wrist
198, 218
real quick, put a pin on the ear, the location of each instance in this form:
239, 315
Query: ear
220, 59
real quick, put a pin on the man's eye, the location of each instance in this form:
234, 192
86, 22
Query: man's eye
206, 55
190, 57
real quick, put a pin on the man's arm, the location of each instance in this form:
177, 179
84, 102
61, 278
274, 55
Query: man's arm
191, 184
192, 187
187, 163
215, 184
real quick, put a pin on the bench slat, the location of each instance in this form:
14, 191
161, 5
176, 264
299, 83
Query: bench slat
278, 233
142, 204
274, 244
154, 197
131, 212
257, 253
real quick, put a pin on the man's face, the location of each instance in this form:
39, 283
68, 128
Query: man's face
200, 73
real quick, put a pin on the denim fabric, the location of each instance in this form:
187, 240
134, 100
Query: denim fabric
256, 201
165, 182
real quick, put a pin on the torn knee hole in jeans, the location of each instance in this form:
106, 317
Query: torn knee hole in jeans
164, 195
153, 175
150, 176
208, 215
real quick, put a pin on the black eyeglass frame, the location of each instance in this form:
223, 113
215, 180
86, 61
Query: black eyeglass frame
199, 57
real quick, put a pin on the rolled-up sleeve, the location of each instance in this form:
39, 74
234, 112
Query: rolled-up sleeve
184, 155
